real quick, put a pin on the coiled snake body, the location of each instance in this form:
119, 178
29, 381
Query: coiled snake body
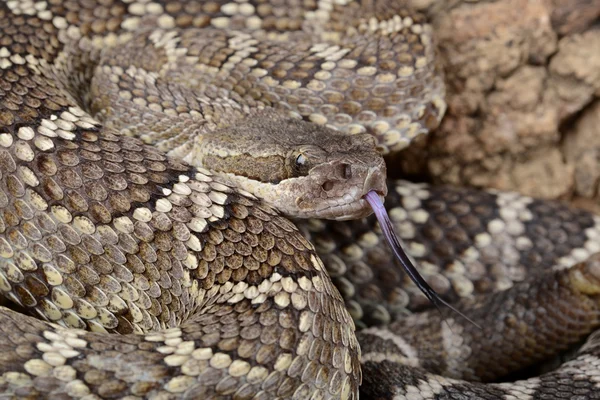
213, 292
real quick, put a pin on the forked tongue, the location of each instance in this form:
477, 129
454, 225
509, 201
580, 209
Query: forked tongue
388, 231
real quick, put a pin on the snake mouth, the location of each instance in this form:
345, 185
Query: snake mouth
343, 212
354, 207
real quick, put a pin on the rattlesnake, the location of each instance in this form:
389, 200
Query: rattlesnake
100, 231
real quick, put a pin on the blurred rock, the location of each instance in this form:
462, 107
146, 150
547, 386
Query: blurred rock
522, 76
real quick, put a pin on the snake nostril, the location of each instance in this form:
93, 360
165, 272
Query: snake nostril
327, 186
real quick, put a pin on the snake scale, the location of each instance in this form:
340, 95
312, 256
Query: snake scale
152, 278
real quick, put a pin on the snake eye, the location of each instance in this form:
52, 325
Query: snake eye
301, 161
301, 165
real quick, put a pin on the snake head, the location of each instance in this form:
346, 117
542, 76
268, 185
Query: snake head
302, 169
330, 180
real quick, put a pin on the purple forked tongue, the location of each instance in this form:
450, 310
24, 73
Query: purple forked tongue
388, 231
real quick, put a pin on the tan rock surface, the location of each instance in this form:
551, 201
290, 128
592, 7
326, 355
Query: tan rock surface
523, 80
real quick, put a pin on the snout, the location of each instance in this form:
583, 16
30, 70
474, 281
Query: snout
343, 189
346, 178
376, 181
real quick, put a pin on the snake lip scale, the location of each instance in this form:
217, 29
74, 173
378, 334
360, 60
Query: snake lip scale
151, 155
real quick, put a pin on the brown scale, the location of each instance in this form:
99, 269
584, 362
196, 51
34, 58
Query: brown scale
120, 174
164, 300
248, 89
564, 307
378, 292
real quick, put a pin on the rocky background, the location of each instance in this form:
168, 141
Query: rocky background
523, 92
